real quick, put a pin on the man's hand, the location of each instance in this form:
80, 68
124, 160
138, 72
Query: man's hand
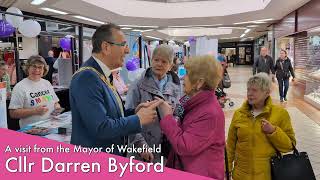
144, 105
147, 156
148, 114
267, 127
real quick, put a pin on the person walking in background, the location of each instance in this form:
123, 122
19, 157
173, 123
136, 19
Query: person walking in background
263, 63
258, 129
50, 61
198, 138
283, 70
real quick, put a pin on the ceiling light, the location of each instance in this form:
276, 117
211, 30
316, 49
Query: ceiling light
230, 38
195, 31
255, 21
206, 25
248, 30
37, 2
259, 22
54, 11
137, 30
126, 28
253, 26
135, 26
232, 28
147, 30
153, 37
89, 19
316, 29
242, 35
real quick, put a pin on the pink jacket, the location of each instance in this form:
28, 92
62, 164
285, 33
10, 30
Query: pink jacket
200, 139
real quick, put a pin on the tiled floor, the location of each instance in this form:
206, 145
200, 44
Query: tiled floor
305, 118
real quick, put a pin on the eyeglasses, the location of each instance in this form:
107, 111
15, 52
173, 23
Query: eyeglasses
122, 44
37, 67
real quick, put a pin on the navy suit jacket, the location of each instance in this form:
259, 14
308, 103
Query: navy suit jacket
96, 115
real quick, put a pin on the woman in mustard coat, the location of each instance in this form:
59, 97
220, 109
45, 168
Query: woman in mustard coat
257, 128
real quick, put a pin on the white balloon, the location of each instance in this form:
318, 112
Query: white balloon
30, 28
187, 44
135, 75
15, 21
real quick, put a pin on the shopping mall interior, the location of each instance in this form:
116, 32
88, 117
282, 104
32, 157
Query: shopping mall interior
231, 32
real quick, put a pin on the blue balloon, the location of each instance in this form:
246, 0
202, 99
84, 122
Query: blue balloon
133, 64
6, 29
65, 44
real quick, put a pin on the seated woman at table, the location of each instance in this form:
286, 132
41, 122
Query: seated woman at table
33, 99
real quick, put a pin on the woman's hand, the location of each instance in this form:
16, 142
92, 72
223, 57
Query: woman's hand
165, 108
145, 105
41, 110
57, 109
267, 127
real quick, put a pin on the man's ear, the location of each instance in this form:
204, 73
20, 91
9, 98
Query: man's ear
105, 48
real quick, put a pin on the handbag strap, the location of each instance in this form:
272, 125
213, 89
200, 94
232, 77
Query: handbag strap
295, 150
226, 163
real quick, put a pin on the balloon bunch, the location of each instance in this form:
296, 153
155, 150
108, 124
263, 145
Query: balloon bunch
28, 28
133, 64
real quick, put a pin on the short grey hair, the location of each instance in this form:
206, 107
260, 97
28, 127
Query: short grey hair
262, 80
165, 51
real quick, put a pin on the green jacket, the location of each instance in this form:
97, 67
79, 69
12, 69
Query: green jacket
250, 149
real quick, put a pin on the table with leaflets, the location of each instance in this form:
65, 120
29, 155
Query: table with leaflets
56, 128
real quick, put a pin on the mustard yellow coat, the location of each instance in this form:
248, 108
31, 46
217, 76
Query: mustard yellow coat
249, 149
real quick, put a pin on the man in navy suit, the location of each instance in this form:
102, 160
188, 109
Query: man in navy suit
98, 116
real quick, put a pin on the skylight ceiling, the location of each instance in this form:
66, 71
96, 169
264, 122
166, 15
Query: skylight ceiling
183, 9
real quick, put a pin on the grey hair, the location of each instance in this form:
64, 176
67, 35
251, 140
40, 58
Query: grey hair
165, 51
262, 80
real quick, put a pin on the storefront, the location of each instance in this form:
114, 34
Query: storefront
242, 50
299, 34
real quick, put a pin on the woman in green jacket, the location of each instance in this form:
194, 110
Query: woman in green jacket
257, 128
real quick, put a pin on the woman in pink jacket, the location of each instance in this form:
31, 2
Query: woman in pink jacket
198, 137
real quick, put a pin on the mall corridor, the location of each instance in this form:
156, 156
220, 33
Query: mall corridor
305, 118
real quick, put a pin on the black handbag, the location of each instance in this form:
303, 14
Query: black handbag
294, 166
